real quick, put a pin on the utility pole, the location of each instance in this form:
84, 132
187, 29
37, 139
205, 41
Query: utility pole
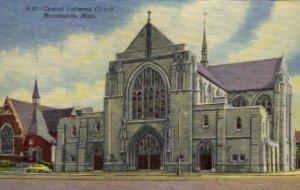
179, 159
124, 137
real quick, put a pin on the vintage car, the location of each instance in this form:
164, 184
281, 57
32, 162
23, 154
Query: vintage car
40, 168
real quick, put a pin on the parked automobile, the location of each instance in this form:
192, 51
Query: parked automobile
40, 168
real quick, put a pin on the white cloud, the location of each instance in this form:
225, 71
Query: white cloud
64, 68
82, 95
277, 36
296, 101
185, 24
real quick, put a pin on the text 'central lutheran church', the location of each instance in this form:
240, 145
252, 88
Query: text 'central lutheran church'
164, 110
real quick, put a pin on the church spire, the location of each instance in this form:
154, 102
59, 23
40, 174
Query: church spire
204, 60
148, 37
149, 16
36, 95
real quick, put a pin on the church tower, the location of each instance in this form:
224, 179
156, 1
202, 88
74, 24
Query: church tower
204, 57
36, 95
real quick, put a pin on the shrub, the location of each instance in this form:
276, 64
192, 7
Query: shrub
48, 164
7, 163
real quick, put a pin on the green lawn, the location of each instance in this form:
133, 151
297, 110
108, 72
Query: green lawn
6, 169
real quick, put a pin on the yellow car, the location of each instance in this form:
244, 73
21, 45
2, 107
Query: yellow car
38, 168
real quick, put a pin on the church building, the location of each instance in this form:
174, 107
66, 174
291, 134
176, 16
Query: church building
164, 110
28, 130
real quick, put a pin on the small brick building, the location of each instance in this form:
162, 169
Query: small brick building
297, 140
28, 130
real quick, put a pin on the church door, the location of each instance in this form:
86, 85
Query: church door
205, 158
37, 154
148, 153
98, 158
98, 162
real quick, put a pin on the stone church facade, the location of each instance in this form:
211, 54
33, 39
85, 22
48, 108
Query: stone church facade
164, 110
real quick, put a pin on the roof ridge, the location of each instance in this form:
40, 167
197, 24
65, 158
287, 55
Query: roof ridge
29, 103
245, 62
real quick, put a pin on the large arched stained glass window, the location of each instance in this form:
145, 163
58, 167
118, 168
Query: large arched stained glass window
149, 95
6, 140
238, 102
265, 101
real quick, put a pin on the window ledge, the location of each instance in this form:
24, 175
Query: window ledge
146, 120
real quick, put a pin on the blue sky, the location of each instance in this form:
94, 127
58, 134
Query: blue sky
70, 56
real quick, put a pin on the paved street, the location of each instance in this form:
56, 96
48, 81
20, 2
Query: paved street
211, 182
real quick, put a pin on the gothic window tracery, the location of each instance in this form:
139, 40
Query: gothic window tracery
180, 71
265, 101
6, 140
113, 78
149, 144
202, 92
149, 95
205, 148
239, 102
210, 93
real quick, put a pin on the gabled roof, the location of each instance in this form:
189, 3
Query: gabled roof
52, 117
26, 114
158, 39
243, 76
208, 75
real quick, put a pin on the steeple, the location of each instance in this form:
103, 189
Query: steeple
36, 95
149, 16
204, 60
148, 37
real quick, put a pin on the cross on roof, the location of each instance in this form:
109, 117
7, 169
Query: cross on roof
204, 15
149, 15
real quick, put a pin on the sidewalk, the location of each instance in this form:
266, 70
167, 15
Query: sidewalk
142, 176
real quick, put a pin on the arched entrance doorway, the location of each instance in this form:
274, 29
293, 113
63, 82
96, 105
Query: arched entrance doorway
205, 156
148, 153
146, 149
35, 154
98, 157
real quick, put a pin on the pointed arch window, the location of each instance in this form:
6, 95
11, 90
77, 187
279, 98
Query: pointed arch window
202, 91
210, 93
180, 71
239, 102
97, 126
205, 121
265, 101
238, 124
73, 131
149, 95
113, 79
6, 140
